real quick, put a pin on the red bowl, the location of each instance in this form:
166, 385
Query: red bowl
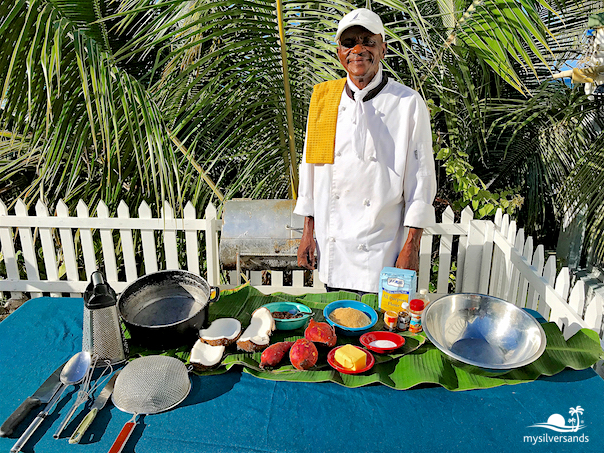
369, 337
335, 365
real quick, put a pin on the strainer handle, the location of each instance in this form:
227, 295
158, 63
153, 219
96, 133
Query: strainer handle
123, 436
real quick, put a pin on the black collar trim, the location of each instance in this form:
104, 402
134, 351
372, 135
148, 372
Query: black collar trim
372, 93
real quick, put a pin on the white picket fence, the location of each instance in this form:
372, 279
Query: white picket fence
66, 245
489, 257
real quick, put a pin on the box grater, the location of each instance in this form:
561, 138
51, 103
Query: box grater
102, 332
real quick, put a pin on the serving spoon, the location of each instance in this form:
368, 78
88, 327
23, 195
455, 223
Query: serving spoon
73, 372
294, 311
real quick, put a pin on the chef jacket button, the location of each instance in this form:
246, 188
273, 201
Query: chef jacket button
338, 153
336, 196
366, 202
332, 239
362, 247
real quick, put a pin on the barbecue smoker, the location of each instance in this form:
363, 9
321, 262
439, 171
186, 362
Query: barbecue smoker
260, 234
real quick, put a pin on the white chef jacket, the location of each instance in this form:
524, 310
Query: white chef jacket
361, 205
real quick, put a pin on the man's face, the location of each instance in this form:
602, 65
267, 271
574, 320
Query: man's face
360, 52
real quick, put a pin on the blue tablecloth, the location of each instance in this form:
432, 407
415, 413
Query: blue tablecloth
235, 412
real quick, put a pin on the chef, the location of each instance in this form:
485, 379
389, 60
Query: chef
367, 170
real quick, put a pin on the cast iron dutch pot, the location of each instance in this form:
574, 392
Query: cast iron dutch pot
166, 309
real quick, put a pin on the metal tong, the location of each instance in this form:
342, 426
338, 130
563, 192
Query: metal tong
84, 392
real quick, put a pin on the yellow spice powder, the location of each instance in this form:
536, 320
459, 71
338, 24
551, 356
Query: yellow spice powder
349, 317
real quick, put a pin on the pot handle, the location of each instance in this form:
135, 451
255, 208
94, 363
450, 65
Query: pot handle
216, 296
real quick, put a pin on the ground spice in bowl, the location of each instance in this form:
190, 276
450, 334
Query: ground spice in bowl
349, 317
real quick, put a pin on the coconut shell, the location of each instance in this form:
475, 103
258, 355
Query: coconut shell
222, 332
204, 356
257, 336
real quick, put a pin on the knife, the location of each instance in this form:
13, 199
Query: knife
43, 395
99, 403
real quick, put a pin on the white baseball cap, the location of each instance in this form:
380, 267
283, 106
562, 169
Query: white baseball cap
363, 17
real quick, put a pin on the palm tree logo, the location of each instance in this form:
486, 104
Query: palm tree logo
557, 422
576, 411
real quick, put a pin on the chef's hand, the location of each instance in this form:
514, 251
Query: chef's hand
308, 246
409, 256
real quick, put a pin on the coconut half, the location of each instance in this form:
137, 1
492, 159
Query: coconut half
204, 356
258, 334
222, 332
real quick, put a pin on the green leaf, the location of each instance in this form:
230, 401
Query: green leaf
417, 362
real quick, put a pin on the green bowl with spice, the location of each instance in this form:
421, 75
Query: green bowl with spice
299, 314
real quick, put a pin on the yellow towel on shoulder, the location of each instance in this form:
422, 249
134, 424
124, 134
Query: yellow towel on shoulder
322, 119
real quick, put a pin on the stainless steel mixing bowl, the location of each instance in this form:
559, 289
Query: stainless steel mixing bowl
483, 334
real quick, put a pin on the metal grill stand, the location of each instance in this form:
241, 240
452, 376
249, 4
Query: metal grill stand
259, 235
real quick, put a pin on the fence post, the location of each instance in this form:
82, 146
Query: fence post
538, 262
507, 269
444, 254
277, 278
477, 244
212, 245
69, 254
123, 212
549, 274
487, 258
107, 244
316, 282
593, 314
425, 258
170, 245
191, 241
521, 300
148, 240
48, 246
86, 240
8, 252
513, 271
27, 246
499, 260
576, 301
466, 216
562, 287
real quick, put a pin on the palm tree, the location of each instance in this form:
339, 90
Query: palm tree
152, 99
576, 411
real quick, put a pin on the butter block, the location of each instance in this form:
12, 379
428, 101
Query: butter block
351, 358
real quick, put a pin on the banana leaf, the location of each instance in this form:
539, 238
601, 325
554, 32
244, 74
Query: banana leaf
416, 362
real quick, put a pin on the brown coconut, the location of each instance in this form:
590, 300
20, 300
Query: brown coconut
222, 332
257, 336
204, 356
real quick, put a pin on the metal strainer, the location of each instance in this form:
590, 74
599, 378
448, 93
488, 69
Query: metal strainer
148, 385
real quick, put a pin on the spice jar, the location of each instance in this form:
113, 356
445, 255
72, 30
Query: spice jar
403, 318
416, 308
391, 320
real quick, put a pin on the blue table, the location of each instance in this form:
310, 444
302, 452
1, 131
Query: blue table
235, 412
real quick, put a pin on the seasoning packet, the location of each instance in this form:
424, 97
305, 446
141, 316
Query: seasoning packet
396, 287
